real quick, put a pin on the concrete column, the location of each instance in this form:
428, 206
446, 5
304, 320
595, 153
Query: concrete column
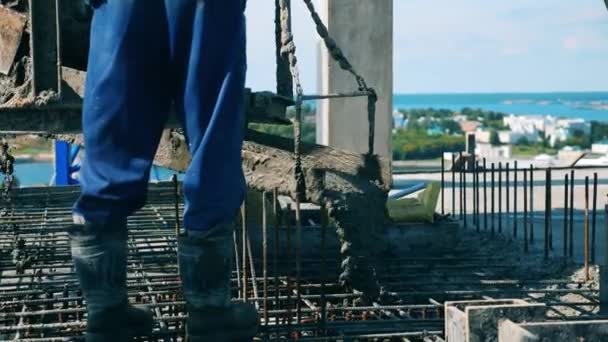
363, 29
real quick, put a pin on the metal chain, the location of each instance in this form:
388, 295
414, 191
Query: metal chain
337, 54
288, 48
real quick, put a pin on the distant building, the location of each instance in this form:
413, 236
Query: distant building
524, 127
555, 130
505, 137
485, 150
399, 120
600, 147
526, 123
562, 129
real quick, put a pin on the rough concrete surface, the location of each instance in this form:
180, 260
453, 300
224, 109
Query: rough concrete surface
583, 331
477, 321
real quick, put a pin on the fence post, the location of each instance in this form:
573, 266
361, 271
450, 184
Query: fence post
571, 236
453, 185
594, 218
485, 195
531, 204
547, 210
507, 189
461, 167
586, 229
493, 186
566, 181
525, 210
604, 270
500, 197
477, 195
515, 186
442, 185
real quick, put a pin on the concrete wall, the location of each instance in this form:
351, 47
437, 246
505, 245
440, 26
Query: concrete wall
363, 29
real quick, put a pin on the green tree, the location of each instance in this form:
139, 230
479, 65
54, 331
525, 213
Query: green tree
523, 141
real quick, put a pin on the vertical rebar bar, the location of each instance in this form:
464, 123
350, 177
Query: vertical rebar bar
290, 273
586, 228
500, 197
571, 213
442, 185
298, 261
276, 223
566, 181
593, 217
485, 195
176, 195
492, 192
531, 211
515, 199
244, 245
453, 185
265, 258
323, 301
237, 259
525, 210
507, 190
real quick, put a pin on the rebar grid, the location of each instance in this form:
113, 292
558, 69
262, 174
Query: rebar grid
41, 300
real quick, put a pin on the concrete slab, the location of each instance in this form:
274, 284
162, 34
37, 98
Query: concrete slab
477, 320
593, 330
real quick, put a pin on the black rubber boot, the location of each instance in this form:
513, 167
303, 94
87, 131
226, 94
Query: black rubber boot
205, 262
99, 253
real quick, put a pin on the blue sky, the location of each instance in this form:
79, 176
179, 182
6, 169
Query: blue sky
444, 46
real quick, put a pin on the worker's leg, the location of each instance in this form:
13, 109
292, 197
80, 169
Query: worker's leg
125, 109
209, 54
208, 40
126, 106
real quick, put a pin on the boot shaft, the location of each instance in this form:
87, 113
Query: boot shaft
99, 253
205, 263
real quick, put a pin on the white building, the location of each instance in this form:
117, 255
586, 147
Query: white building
399, 120
556, 130
562, 129
505, 137
521, 127
484, 150
526, 123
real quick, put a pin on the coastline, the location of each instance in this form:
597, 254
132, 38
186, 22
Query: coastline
36, 158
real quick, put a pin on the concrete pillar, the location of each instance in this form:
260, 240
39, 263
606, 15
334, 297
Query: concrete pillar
363, 29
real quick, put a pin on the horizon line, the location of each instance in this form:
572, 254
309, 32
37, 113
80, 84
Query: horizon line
502, 92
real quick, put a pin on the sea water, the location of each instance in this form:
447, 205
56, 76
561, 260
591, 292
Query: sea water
587, 105
30, 173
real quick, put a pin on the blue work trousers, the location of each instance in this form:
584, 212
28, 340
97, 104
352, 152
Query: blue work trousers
146, 57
